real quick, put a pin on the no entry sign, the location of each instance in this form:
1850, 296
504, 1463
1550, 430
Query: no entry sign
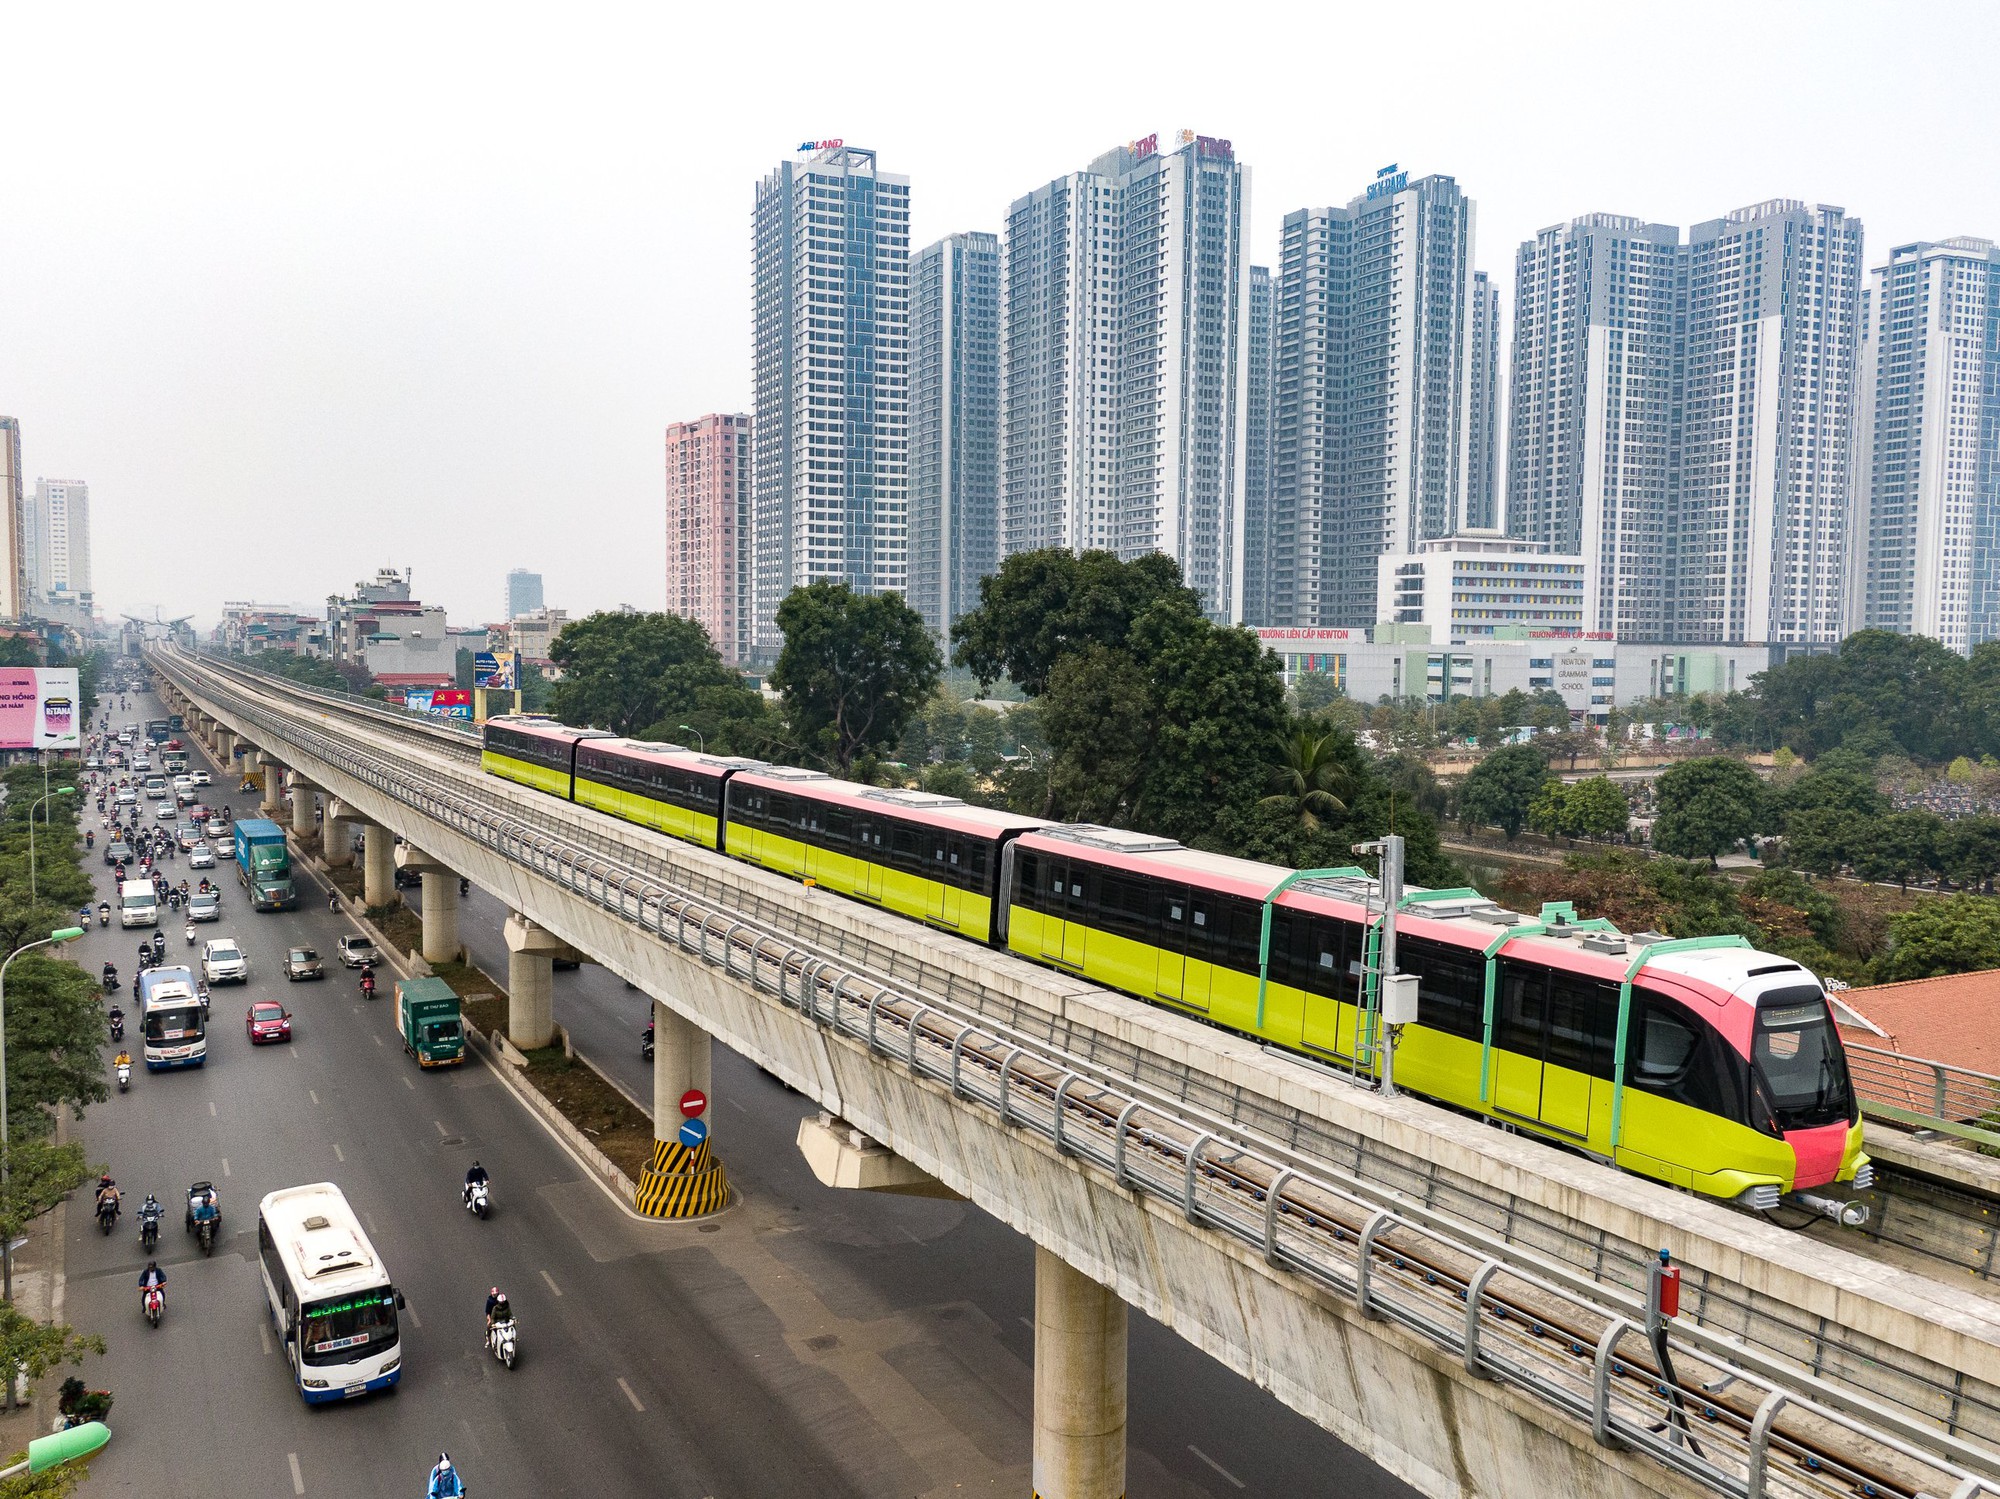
693, 1102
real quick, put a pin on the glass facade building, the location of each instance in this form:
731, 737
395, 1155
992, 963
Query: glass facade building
954, 424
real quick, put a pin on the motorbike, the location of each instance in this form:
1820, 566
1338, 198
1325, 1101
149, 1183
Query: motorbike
149, 1231
190, 934
104, 915
118, 1026
107, 1214
646, 1043
155, 1304
505, 1341
367, 983
451, 1486
478, 1199
204, 1218
124, 1076
109, 980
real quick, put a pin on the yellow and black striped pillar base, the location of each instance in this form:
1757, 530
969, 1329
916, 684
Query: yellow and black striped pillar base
682, 1183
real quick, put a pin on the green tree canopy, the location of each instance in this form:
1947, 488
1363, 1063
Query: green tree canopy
1899, 847
853, 669
1706, 807
1968, 851
1956, 934
1310, 777
630, 672
1500, 789
1042, 606
1834, 788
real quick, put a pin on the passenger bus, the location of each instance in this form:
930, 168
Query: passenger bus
171, 1019
159, 730
330, 1299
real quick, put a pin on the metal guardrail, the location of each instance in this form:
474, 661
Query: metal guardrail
1925, 1094
1720, 1413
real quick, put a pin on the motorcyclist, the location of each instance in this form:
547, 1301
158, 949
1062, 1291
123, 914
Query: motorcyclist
368, 982
104, 913
205, 1200
475, 1175
107, 1191
159, 943
152, 1276
124, 1059
497, 1309
109, 976
151, 1212
445, 1482
116, 1019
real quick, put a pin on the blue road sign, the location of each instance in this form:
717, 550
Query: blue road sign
694, 1132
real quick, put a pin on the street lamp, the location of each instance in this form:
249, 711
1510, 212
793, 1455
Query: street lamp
65, 1446
60, 934
700, 743
59, 791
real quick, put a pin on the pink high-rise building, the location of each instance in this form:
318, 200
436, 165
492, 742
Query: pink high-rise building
708, 525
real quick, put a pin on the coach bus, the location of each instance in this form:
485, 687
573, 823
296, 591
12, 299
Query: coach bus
171, 1019
330, 1298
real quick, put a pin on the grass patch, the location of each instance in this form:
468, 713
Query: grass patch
400, 925
483, 1002
604, 1114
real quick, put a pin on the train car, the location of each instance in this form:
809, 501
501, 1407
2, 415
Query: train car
1705, 1064
534, 751
928, 857
666, 787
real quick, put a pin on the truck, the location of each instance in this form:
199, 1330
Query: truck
264, 864
427, 1017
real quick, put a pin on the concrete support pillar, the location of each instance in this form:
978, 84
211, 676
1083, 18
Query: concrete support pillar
225, 751
441, 916
685, 1179
531, 999
336, 843
378, 868
273, 801
1079, 1384
304, 802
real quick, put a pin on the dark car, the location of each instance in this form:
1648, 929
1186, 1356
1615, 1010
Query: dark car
117, 852
303, 963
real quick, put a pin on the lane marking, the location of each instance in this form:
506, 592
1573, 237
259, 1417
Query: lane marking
298, 1478
378, 1042
443, 1133
225, 1165
314, 1096
371, 1222
1215, 1465
415, 1321
339, 1154
211, 1108
408, 1084
263, 1337
1026, 1323
630, 1396
552, 1282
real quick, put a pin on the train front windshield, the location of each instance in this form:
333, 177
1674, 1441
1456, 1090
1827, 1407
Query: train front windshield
1798, 1060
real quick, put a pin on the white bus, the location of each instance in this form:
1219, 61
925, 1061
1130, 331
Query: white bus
172, 1022
138, 904
331, 1300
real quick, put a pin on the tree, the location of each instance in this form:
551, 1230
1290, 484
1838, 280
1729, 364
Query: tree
1309, 778
628, 672
41, 1348
1042, 606
55, 1027
1548, 813
1706, 807
1598, 809
1834, 789
1897, 847
1500, 788
1957, 934
853, 669
39, 1175
1969, 851
1821, 839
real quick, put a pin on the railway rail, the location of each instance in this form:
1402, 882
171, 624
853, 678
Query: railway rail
1727, 1415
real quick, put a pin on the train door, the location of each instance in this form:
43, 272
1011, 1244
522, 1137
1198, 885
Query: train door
1552, 1039
946, 858
1317, 963
1082, 896
1205, 947
1519, 1032
1052, 896
870, 853
1174, 924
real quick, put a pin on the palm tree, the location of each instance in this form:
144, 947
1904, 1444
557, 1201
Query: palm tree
1309, 778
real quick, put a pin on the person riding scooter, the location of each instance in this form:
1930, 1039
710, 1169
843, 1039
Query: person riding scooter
116, 1017
104, 913
444, 1481
475, 1175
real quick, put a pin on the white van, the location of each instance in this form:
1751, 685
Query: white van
137, 904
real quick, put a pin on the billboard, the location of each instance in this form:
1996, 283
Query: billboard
39, 708
445, 702
495, 669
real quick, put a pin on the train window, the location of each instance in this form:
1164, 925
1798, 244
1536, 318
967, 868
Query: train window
1027, 889
1680, 1056
839, 823
1451, 985
1667, 1044
978, 863
905, 849
868, 835
1241, 932
1583, 1023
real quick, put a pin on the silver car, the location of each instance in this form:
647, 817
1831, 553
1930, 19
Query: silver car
204, 906
201, 856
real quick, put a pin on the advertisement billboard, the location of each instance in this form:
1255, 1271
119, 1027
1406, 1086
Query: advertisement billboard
495, 669
39, 708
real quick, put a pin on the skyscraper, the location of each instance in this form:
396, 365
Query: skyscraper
708, 519
1767, 438
1374, 346
1261, 388
1124, 362
61, 545
954, 423
1592, 445
1482, 439
1924, 556
13, 503
830, 354
524, 592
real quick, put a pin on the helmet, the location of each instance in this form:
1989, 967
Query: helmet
104, 1180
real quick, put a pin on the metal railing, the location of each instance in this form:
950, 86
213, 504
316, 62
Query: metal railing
1721, 1413
1925, 1094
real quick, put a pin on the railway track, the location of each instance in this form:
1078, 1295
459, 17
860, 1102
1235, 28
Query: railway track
1722, 1413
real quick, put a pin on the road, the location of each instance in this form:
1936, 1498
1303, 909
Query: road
807, 1342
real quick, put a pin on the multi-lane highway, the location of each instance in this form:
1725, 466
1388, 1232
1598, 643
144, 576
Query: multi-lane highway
806, 1342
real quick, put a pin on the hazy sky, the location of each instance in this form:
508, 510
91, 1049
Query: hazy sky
304, 290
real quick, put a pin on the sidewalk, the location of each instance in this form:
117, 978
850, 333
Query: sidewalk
38, 1293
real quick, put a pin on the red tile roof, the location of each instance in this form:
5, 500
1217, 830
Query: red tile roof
1955, 1018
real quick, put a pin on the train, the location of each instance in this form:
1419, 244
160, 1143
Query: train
1699, 1062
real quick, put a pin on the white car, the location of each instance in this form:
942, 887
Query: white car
141, 763
204, 905
166, 811
215, 827
201, 856
183, 783
201, 778
127, 797
222, 962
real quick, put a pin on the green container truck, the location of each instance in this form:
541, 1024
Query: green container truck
427, 1016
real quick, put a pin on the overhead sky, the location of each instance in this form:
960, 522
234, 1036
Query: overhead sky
306, 290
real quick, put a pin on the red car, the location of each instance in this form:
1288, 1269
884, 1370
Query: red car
268, 1021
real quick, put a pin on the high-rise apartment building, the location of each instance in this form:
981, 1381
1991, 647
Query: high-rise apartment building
1924, 553
13, 505
954, 424
60, 549
1482, 412
524, 592
1599, 312
1767, 439
1374, 350
830, 357
1124, 362
708, 528
1260, 388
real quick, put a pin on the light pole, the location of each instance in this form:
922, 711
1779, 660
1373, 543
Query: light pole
60, 934
700, 742
65, 1446
33, 891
